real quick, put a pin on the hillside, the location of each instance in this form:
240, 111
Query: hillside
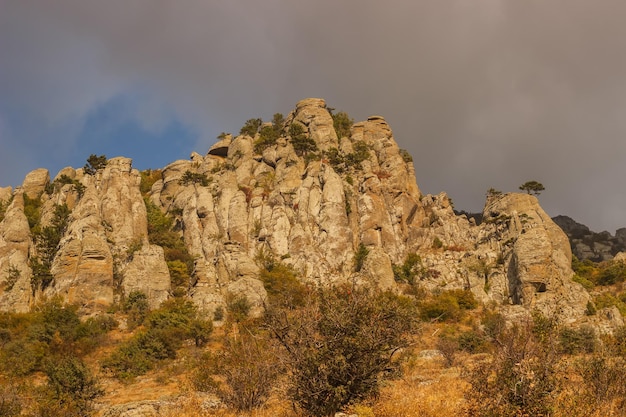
285, 223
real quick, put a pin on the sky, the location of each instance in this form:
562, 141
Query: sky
483, 93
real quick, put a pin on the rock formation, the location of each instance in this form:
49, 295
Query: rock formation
311, 207
587, 244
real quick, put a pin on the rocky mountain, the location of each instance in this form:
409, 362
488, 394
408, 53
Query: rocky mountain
587, 244
335, 208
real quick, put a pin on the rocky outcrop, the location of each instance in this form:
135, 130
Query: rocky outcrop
313, 208
538, 257
587, 244
35, 182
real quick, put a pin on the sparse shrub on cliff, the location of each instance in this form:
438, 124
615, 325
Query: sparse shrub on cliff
3, 209
406, 156
361, 152
238, 307
32, 208
251, 127
342, 124
94, 164
148, 178
194, 178
359, 257
268, 135
135, 305
301, 142
410, 269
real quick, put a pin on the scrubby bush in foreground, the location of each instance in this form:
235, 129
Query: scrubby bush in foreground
341, 345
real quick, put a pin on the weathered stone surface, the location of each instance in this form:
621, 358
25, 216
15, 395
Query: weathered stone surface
83, 273
15, 244
35, 182
147, 272
5, 194
539, 268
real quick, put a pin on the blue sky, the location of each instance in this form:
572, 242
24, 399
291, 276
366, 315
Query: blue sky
482, 94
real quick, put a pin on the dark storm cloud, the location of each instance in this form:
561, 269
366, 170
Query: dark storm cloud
483, 93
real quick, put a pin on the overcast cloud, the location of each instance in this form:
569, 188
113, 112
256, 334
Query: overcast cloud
483, 93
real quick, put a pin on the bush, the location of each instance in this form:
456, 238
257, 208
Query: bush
242, 374
409, 270
136, 307
284, 290
448, 305
238, 307
71, 382
166, 329
573, 341
519, 380
148, 178
342, 124
360, 256
340, 347
603, 387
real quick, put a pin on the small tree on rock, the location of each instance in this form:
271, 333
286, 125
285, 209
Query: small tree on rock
532, 187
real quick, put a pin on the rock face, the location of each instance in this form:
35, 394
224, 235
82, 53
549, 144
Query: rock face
587, 244
313, 208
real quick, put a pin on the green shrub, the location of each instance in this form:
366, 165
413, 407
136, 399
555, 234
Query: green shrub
71, 382
342, 124
473, 341
580, 340
448, 305
148, 178
136, 306
166, 329
360, 256
194, 178
13, 276
361, 152
179, 273
301, 142
32, 210
94, 164
251, 127
614, 272
409, 270
588, 285
406, 156
340, 347
606, 299
284, 289
238, 307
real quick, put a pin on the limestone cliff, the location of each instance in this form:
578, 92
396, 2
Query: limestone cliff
303, 194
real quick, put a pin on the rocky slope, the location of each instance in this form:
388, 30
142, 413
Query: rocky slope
311, 206
587, 244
